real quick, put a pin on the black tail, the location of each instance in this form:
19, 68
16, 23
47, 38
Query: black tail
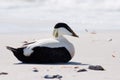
10, 48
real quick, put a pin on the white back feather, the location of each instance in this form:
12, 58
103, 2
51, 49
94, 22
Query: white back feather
52, 43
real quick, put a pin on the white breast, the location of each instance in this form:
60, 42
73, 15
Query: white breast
52, 43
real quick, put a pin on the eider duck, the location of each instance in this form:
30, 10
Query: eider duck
55, 50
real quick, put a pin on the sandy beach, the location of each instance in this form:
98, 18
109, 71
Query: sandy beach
98, 48
30, 20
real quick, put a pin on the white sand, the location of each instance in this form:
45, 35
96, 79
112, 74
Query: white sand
91, 49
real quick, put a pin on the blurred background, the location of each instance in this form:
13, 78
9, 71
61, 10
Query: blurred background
35, 16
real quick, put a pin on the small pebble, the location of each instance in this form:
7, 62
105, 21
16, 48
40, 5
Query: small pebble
76, 67
113, 56
110, 40
82, 70
53, 76
96, 67
3, 73
35, 70
48, 76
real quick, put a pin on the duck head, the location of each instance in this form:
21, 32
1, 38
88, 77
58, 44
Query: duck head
63, 29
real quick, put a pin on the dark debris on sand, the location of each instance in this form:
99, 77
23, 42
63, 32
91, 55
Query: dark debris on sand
3, 73
96, 67
35, 69
53, 77
82, 70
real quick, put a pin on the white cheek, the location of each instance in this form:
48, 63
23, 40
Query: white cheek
27, 52
63, 31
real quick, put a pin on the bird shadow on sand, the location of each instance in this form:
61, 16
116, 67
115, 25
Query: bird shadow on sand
69, 63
